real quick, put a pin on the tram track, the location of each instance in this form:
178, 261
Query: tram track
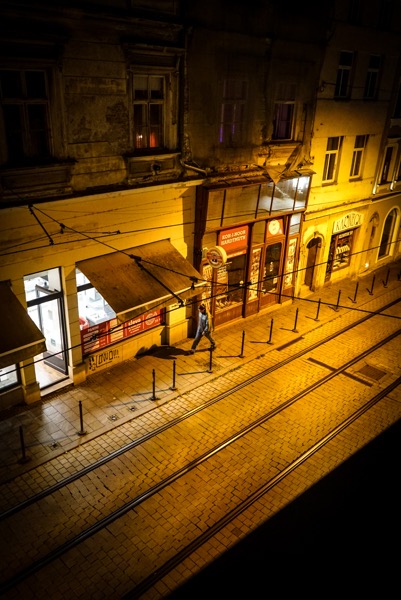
188, 414
101, 524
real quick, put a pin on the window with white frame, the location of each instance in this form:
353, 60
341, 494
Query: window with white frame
357, 156
372, 77
331, 160
232, 117
344, 73
24, 100
284, 110
388, 166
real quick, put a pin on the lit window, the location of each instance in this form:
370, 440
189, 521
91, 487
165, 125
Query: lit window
357, 157
331, 159
372, 77
25, 110
149, 108
232, 120
284, 112
343, 82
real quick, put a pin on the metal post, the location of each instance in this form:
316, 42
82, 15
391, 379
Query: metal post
173, 386
242, 345
386, 282
356, 291
373, 283
81, 420
210, 359
338, 300
269, 341
296, 319
24, 457
318, 310
154, 385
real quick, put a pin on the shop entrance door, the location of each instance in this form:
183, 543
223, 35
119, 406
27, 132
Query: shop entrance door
271, 283
45, 307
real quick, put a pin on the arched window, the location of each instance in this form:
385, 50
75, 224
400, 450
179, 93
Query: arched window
387, 235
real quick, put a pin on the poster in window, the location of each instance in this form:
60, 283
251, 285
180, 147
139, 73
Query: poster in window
290, 264
254, 275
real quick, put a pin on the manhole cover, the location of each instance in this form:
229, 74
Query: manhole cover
372, 372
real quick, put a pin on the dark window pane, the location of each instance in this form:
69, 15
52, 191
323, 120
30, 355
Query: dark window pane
10, 84
12, 120
35, 84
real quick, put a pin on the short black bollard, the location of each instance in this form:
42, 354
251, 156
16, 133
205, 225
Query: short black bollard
154, 385
373, 284
296, 319
242, 345
24, 458
210, 359
356, 291
386, 282
338, 300
269, 341
318, 310
173, 386
81, 420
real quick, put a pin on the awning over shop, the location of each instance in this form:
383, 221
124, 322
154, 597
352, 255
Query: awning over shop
20, 337
143, 278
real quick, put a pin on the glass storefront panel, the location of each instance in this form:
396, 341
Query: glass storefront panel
230, 278
240, 204
302, 192
8, 377
284, 195
45, 307
272, 268
215, 209
93, 308
265, 199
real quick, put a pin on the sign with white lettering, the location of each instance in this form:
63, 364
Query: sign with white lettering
216, 256
348, 221
232, 239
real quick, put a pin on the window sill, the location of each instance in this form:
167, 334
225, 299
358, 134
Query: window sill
20, 185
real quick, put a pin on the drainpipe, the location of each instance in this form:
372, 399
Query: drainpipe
204, 172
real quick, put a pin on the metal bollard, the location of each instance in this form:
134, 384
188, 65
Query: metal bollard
338, 300
154, 385
81, 420
318, 310
373, 283
269, 341
386, 282
296, 319
210, 370
242, 345
173, 386
356, 291
24, 458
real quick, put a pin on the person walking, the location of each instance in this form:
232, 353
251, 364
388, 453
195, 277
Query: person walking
204, 326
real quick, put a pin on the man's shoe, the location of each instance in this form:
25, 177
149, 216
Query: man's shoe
213, 346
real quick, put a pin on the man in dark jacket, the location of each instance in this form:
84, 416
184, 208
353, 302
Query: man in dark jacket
203, 328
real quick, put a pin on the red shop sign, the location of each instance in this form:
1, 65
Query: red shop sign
232, 239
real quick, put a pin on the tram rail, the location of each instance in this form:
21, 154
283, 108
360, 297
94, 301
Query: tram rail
103, 523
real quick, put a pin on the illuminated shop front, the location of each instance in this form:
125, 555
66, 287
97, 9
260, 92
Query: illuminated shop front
131, 292
342, 242
247, 241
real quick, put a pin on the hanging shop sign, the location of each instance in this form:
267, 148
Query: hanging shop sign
216, 256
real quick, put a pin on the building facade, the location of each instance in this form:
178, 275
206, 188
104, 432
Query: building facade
153, 153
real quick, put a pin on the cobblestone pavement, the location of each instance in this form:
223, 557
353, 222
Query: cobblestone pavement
70, 417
